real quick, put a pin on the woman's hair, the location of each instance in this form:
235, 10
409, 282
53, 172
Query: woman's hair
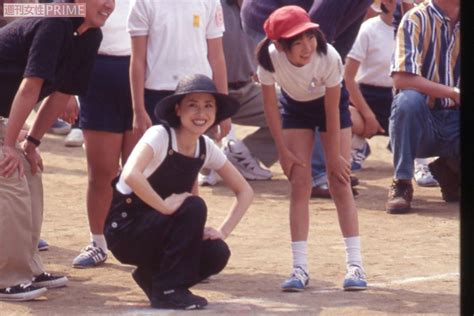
383, 8
263, 55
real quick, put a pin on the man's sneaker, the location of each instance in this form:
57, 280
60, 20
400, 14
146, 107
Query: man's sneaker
178, 299
447, 179
21, 292
59, 127
89, 257
423, 176
75, 138
297, 280
43, 245
359, 155
355, 279
399, 197
209, 179
240, 156
49, 281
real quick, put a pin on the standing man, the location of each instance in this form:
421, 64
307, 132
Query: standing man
425, 115
40, 58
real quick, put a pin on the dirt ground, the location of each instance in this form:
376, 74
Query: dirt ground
412, 260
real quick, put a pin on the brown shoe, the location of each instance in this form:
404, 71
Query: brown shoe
399, 197
321, 191
447, 179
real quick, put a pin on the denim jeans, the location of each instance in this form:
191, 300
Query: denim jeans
318, 164
418, 132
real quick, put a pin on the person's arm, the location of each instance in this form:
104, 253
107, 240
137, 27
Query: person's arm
215, 56
272, 115
405, 80
372, 126
141, 119
337, 166
24, 101
133, 176
243, 197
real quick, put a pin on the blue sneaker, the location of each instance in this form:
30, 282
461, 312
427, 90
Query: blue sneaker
89, 257
59, 127
42, 245
358, 157
297, 280
355, 279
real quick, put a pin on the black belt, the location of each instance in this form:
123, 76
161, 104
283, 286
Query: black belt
238, 84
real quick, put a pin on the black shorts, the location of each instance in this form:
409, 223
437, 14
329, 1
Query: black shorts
107, 106
311, 114
379, 100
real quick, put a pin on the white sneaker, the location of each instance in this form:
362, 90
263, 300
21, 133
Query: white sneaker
240, 156
59, 127
75, 138
423, 176
210, 179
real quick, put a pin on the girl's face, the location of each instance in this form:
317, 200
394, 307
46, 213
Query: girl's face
197, 112
391, 5
97, 11
302, 50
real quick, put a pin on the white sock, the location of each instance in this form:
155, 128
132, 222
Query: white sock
421, 161
300, 254
353, 256
99, 241
358, 142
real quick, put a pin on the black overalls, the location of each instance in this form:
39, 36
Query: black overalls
168, 250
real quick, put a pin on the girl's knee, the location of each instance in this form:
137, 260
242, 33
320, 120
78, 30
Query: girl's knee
195, 207
218, 253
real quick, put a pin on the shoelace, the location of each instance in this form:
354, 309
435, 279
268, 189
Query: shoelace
355, 272
400, 189
93, 252
299, 274
424, 170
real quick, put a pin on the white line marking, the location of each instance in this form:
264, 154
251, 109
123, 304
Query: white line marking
416, 279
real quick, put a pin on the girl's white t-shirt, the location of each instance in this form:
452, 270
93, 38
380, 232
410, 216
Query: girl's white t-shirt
157, 138
303, 83
116, 40
177, 32
373, 48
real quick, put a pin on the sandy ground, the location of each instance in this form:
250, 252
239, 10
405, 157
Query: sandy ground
412, 260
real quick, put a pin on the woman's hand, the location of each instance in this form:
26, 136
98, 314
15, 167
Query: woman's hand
71, 112
33, 156
212, 234
287, 161
141, 122
339, 169
174, 201
372, 126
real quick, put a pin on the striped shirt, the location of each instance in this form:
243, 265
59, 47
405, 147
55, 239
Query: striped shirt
427, 46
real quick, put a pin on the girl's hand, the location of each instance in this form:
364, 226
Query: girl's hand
174, 201
141, 122
372, 127
33, 156
339, 169
71, 112
287, 161
212, 234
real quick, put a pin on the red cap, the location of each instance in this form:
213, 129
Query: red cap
287, 22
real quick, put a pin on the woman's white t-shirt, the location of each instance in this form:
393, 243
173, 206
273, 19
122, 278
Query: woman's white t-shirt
157, 138
303, 83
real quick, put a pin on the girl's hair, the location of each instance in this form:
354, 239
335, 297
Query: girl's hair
383, 8
263, 56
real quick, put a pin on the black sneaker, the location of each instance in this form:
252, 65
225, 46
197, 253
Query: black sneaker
21, 292
447, 179
49, 281
178, 299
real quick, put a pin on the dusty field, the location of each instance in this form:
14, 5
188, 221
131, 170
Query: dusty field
412, 260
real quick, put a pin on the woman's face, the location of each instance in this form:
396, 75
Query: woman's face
197, 112
302, 50
97, 11
391, 5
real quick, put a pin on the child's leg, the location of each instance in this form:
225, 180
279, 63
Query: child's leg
355, 278
341, 192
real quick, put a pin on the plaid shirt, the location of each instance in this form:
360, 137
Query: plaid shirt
428, 46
